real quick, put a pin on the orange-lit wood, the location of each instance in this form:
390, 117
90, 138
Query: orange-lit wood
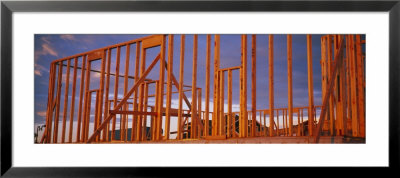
310, 87
72, 111
194, 92
107, 93
207, 95
360, 86
253, 85
229, 119
243, 121
116, 91
135, 96
290, 92
215, 100
181, 72
55, 134
271, 82
65, 102
161, 89
169, 86
124, 117
80, 99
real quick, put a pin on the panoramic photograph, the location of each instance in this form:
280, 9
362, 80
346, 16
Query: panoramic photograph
199, 88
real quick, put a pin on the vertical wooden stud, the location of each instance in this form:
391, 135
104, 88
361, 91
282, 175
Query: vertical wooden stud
253, 84
107, 93
194, 87
135, 96
116, 90
229, 131
169, 85
360, 86
81, 98
207, 99
72, 111
55, 134
215, 100
310, 87
161, 89
124, 116
271, 83
181, 72
65, 101
290, 93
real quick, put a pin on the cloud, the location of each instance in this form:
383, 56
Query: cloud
41, 113
46, 48
68, 37
39, 69
45, 39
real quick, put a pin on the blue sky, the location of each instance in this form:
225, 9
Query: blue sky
49, 47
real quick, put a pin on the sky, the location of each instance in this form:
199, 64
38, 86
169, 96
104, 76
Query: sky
49, 47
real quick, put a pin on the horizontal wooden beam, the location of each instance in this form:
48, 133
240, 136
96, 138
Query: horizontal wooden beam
231, 68
133, 112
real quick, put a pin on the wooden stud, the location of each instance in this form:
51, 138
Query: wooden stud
221, 103
49, 116
161, 89
87, 116
207, 99
343, 91
290, 92
215, 100
146, 93
107, 92
169, 86
181, 73
298, 124
271, 83
265, 125
243, 89
199, 118
353, 83
157, 98
338, 92
194, 92
230, 131
260, 125
329, 70
302, 123
124, 117
101, 90
360, 86
324, 71
310, 86
72, 111
135, 96
284, 122
96, 115
139, 123
277, 120
65, 101
253, 84
55, 134
116, 90
80, 99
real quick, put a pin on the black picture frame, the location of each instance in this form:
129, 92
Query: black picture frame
8, 7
